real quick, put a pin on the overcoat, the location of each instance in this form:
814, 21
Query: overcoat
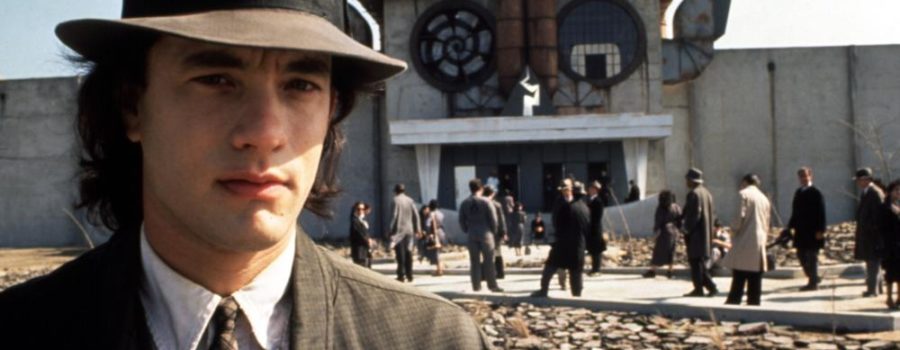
667, 227
698, 222
93, 302
359, 239
595, 242
572, 223
868, 234
477, 218
748, 251
807, 218
890, 228
405, 221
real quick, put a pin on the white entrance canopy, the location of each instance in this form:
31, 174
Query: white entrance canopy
427, 135
582, 127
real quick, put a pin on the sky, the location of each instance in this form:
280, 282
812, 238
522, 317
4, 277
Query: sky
29, 49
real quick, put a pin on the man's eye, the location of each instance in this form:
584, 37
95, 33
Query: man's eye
214, 80
301, 85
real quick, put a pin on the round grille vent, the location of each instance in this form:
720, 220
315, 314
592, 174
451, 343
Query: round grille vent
600, 41
452, 45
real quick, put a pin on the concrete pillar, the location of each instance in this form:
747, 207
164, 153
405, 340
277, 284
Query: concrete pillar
428, 161
636, 151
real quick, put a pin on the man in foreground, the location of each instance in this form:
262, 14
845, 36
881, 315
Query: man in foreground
207, 127
808, 223
698, 233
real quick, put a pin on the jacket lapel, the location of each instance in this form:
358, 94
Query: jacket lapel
119, 310
313, 290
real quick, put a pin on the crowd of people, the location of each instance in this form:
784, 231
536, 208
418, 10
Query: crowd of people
490, 221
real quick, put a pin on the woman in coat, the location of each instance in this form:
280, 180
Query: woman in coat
434, 236
666, 227
516, 227
890, 226
747, 257
360, 242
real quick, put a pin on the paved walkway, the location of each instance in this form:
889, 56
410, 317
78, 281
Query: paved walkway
838, 302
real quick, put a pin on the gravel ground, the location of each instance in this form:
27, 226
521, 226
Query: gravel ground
526, 326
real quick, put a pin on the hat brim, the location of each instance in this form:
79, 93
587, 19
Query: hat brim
260, 28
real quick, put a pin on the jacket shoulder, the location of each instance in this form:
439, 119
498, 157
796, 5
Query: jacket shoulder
385, 314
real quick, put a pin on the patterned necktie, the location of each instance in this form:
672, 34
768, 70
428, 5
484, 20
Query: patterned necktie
224, 321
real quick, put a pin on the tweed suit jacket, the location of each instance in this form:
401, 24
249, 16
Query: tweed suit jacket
92, 302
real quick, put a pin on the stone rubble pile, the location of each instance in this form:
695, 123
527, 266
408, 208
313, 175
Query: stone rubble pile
10, 277
636, 252
526, 326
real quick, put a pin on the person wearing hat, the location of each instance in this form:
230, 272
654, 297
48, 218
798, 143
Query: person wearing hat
697, 224
207, 127
747, 257
869, 242
571, 223
595, 242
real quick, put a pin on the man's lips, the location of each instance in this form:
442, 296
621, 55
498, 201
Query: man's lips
255, 186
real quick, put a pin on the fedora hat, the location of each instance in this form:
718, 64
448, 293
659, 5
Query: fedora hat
694, 175
309, 25
863, 173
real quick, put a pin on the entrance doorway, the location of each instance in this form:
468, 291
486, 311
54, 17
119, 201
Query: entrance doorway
553, 174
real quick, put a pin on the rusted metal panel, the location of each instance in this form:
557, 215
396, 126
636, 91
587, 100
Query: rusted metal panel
697, 24
510, 43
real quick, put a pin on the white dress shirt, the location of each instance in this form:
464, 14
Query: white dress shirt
179, 311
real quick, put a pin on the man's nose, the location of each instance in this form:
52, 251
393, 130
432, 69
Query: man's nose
263, 122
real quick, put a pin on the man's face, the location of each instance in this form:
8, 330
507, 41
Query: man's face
863, 182
805, 178
592, 191
231, 139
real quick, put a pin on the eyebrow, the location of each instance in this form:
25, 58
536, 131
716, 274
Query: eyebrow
224, 59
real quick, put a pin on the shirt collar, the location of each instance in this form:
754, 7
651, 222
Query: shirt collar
186, 307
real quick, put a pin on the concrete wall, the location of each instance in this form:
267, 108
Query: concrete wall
358, 172
37, 162
741, 117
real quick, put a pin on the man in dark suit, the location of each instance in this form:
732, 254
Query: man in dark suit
207, 127
869, 240
478, 221
808, 224
500, 235
596, 244
571, 223
698, 227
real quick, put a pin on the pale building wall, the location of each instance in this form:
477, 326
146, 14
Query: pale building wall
737, 117
37, 162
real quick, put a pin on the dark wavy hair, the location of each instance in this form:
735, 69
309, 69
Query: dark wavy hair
110, 172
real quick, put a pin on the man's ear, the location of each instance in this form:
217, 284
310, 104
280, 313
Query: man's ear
131, 112
132, 125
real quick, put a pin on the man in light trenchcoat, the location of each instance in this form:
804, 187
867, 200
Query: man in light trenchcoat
747, 257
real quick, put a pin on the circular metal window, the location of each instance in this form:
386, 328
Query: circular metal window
600, 41
452, 45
